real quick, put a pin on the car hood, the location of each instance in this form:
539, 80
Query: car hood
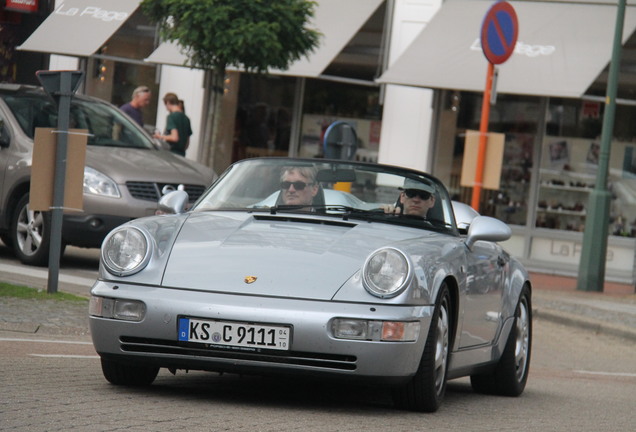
274, 255
130, 164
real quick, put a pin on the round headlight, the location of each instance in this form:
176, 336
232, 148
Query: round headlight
386, 272
126, 251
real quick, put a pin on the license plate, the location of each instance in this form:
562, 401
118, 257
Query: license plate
234, 334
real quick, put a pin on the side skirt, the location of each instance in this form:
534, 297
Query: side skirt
469, 361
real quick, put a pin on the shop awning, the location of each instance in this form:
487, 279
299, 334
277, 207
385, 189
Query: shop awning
561, 49
168, 53
80, 28
337, 20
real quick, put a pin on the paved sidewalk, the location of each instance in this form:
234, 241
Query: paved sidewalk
555, 298
43, 317
612, 311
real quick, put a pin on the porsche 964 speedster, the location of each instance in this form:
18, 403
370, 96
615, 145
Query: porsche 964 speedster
316, 267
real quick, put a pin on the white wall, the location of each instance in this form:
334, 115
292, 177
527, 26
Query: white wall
407, 117
188, 85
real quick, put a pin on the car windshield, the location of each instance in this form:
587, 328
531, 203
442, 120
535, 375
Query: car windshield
345, 190
107, 126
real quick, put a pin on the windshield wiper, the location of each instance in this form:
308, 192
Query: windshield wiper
347, 212
283, 207
333, 210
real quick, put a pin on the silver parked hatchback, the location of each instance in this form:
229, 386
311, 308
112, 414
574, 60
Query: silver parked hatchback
124, 176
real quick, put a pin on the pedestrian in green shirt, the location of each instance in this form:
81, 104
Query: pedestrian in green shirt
178, 130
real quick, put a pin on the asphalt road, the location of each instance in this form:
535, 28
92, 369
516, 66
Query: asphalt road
578, 381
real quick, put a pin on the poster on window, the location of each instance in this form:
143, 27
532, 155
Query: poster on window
593, 153
559, 154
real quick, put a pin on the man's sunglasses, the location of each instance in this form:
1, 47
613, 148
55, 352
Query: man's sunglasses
298, 185
412, 193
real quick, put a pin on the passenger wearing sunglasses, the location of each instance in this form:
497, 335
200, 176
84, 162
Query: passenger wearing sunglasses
298, 186
416, 199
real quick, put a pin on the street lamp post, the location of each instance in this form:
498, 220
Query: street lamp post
60, 85
594, 251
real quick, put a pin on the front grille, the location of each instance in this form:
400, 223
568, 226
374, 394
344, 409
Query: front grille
174, 348
150, 191
144, 190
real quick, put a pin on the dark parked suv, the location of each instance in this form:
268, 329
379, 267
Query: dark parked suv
125, 173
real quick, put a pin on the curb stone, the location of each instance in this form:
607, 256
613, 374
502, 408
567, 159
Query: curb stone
597, 326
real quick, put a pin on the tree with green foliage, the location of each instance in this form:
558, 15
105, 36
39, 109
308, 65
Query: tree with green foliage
253, 35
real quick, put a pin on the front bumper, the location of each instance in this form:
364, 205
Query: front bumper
101, 215
313, 349
89, 230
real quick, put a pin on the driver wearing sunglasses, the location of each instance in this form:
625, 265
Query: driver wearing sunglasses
298, 186
416, 199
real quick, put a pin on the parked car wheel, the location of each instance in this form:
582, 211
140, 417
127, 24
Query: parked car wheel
511, 373
128, 374
30, 234
426, 389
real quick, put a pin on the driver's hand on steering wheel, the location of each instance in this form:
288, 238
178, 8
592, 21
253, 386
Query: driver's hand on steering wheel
391, 209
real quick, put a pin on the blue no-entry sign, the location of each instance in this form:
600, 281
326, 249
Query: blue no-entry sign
499, 32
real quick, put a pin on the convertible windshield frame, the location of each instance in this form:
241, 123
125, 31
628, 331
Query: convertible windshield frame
345, 190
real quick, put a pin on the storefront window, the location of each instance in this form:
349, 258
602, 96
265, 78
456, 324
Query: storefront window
18, 66
569, 167
517, 118
263, 116
116, 69
327, 102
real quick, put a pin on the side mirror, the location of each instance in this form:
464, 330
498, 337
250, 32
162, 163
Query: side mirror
174, 202
464, 216
488, 229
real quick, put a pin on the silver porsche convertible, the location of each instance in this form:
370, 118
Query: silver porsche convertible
318, 267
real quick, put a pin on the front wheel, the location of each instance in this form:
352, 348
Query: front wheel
30, 234
511, 373
128, 374
426, 389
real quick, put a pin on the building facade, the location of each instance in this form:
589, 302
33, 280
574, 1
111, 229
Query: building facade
399, 72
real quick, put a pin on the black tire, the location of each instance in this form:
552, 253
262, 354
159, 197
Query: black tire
30, 234
511, 373
426, 389
128, 374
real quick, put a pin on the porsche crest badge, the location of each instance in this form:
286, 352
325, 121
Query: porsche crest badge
249, 279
